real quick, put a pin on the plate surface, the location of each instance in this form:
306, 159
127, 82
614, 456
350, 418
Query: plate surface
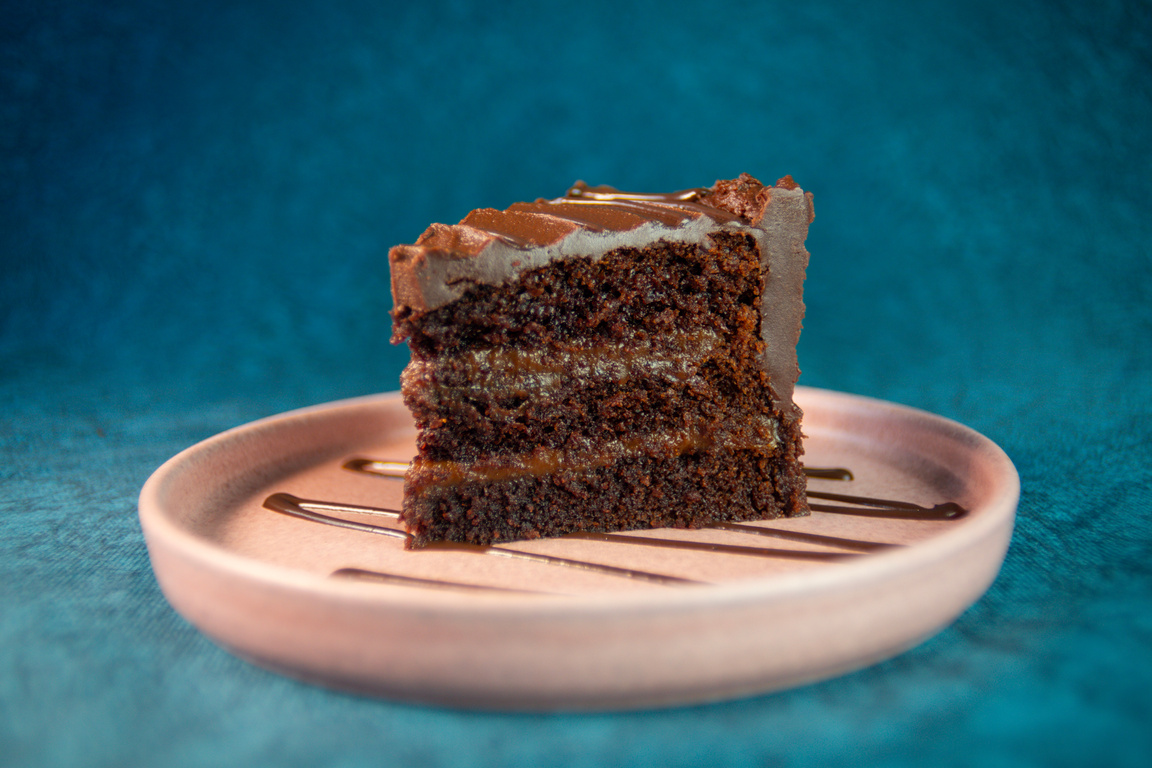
242, 536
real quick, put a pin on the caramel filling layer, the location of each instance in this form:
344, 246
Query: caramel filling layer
535, 371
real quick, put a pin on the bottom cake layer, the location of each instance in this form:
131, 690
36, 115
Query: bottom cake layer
688, 491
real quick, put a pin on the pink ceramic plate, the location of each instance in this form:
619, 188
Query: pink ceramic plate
272, 540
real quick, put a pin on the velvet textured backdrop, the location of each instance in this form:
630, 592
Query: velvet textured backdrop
197, 199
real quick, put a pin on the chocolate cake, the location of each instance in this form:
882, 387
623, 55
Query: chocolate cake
605, 361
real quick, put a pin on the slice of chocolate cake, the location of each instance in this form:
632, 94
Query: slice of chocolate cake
605, 361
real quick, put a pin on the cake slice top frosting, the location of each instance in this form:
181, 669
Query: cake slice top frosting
492, 247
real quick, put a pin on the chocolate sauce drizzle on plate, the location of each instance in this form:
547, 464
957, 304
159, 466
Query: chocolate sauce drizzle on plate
334, 514
309, 509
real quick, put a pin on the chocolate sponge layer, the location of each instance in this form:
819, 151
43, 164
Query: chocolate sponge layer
636, 492
678, 287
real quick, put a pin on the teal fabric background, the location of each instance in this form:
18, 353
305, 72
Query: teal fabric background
196, 200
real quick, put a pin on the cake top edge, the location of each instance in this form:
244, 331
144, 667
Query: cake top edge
492, 246
596, 209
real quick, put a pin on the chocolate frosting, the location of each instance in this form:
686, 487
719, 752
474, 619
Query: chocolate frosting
491, 247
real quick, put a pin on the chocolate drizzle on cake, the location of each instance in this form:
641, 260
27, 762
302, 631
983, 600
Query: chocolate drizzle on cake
609, 194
